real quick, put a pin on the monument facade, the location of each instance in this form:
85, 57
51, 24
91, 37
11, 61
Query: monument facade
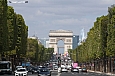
64, 35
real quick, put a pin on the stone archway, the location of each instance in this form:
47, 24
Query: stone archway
65, 35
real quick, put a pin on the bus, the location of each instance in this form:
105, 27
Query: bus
5, 67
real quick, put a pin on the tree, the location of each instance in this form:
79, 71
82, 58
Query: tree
10, 25
3, 26
22, 29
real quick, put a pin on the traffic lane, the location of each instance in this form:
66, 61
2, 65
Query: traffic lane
81, 74
97, 74
29, 74
66, 74
55, 73
13, 75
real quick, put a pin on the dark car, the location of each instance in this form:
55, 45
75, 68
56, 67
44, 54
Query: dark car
29, 69
34, 70
44, 72
84, 70
75, 70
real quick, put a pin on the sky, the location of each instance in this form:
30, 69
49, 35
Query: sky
41, 16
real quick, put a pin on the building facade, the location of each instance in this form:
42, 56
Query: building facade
64, 35
75, 41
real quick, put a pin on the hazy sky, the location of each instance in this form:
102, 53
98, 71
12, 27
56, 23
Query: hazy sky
41, 16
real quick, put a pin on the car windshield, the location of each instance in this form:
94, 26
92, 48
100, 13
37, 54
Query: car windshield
21, 70
56, 66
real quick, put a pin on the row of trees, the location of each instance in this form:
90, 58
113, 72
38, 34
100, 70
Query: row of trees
100, 41
37, 52
13, 38
13, 31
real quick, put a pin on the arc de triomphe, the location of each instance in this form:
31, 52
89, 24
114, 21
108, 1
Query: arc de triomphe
65, 35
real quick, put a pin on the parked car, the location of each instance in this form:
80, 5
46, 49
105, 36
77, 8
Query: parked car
44, 72
21, 72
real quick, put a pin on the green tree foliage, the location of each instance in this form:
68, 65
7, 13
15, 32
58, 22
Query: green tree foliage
10, 24
33, 49
21, 45
94, 47
13, 31
111, 31
100, 41
37, 52
3, 26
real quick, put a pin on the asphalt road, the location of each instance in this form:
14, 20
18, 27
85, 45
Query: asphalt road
55, 73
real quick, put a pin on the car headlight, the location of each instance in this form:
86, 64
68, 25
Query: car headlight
40, 74
48, 74
25, 73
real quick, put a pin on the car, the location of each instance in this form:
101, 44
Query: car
59, 69
75, 70
69, 67
64, 69
34, 70
84, 70
44, 72
19, 67
29, 69
21, 72
55, 67
79, 68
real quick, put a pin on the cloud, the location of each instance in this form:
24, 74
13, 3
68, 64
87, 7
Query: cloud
72, 15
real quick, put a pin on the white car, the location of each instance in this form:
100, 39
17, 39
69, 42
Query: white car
18, 67
55, 67
21, 72
79, 68
59, 69
69, 67
64, 69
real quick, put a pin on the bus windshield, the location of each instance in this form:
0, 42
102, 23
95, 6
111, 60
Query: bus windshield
5, 66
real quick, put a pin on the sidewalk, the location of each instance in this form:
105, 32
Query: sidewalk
102, 72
